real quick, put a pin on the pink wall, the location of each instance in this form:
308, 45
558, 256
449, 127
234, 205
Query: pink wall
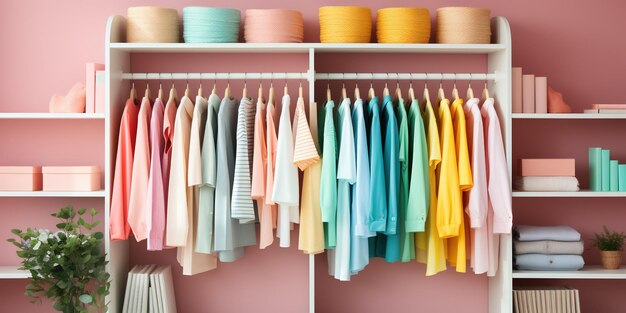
571, 42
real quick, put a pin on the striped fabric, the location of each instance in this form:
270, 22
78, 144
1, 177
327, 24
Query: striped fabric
305, 153
242, 207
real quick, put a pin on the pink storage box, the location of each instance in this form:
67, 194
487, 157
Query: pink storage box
71, 178
20, 178
547, 167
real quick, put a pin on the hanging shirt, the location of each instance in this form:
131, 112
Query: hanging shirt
392, 178
120, 194
457, 245
476, 199
179, 195
419, 187
378, 194
242, 205
206, 190
169, 121
346, 176
306, 157
182, 204
286, 180
230, 235
137, 210
360, 206
430, 247
407, 242
155, 197
259, 170
328, 180
194, 171
500, 215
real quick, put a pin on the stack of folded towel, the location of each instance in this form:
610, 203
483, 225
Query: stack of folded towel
552, 248
547, 175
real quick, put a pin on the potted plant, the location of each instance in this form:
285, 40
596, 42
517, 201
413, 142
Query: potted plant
66, 266
610, 244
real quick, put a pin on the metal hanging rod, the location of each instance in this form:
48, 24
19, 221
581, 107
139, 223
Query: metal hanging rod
213, 76
304, 75
405, 76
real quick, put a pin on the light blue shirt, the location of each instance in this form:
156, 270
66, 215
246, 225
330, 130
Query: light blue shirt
392, 178
346, 176
359, 230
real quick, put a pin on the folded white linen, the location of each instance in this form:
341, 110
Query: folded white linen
553, 183
556, 233
548, 247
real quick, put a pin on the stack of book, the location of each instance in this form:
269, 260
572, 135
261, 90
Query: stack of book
546, 175
605, 174
149, 289
607, 109
546, 299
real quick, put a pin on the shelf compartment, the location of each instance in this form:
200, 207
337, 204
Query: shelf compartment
567, 116
53, 194
52, 116
569, 194
12, 272
304, 48
588, 272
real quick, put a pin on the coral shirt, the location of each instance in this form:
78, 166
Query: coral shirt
120, 195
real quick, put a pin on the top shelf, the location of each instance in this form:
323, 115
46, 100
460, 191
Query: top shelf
52, 116
305, 47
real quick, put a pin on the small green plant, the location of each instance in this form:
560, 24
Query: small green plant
67, 266
609, 240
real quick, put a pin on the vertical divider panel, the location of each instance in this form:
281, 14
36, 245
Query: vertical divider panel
311, 80
501, 286
116, 63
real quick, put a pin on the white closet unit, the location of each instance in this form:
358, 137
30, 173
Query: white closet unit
118, 63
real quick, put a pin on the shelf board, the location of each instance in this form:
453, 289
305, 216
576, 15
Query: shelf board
588, 272
53, 116
304, 48
53, 194
568, 116
12, 272
569, 194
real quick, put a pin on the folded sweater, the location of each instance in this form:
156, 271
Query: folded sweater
548, 247
544, 262
553, 183
556, 233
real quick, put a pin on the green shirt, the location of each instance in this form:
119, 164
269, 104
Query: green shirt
407, 242
419, 192
328, 180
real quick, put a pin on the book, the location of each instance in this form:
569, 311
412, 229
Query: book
606, 170
602, 106
516, 75
528, 93
90, 86
595, 169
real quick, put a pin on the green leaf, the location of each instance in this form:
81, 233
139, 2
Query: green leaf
85, 298
93, 212
61, 225
82, 211
62, 284
98, 235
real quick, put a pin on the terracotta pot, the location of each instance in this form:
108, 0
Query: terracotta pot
611, 260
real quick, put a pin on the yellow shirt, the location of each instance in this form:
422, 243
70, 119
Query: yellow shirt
428, 245
457, 245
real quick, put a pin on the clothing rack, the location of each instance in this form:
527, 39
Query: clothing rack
305, 75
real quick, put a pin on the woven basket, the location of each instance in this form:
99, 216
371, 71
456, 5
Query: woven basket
611, 260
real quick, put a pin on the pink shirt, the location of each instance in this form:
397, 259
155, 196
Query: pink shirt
169, 119
476, 200
155, 198
120, 195
499, 215
138, 212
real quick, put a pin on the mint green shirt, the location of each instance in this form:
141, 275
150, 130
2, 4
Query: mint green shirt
419, 190
328, 180
407, 243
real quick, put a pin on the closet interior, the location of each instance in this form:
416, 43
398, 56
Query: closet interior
287, 278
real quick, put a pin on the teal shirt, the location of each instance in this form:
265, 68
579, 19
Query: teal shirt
407, 242
328, 179
419, 190
391, 162
378, 193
